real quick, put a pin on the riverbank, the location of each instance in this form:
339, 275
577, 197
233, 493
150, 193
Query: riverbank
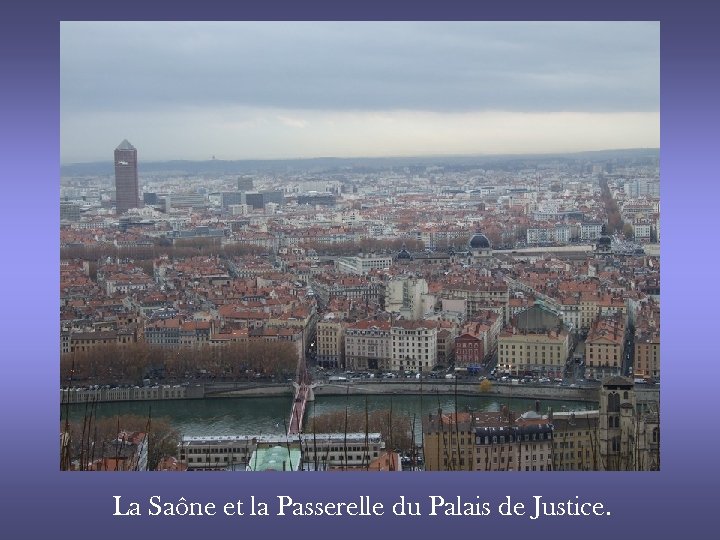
558, 393
645, 393
412, 388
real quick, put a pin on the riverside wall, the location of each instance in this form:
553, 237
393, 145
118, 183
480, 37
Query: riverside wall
645, 393
463, 389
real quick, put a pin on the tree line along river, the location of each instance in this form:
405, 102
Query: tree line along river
269, 415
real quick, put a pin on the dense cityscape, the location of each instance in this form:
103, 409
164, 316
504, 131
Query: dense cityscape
510, 283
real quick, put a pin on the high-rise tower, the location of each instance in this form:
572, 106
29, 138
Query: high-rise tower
126, 177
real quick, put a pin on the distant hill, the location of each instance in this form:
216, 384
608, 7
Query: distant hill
328, 164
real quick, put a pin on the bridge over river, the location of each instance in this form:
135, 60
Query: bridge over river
303, 394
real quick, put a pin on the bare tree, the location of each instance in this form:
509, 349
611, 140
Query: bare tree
399, 430
162, 437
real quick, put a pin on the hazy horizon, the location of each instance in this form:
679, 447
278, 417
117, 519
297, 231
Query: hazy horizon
304, 90
109, 159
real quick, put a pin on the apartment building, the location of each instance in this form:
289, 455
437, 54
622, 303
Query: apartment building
405, 295
414, 345
480, 295
604, 348
523, 446
646, 363
495, 441
362, 264
330, 343
368, 345
575, 441
541, 353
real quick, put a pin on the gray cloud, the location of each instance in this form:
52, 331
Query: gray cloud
442, 67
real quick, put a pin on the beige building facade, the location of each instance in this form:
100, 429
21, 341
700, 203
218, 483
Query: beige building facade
330, 343
575, 441
604, 348
496, 441
367, 345
646, 363
541, 353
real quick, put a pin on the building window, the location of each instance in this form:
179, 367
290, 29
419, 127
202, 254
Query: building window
614, 402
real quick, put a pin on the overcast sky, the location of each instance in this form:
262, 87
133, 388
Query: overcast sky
248, 90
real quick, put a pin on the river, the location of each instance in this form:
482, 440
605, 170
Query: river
269, 416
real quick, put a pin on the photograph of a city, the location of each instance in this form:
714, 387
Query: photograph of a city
359, 246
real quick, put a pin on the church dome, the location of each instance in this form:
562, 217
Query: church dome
404, 254
479, 241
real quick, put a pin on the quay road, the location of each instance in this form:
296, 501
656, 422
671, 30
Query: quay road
646, 393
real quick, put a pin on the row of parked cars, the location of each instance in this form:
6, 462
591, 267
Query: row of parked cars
529, 380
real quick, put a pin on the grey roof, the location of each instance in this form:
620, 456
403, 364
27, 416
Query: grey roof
617, 381
537, 318
125, 145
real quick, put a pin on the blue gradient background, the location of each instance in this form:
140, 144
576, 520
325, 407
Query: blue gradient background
38, 500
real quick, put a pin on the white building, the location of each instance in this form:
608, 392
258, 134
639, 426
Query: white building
405, 296
562, 234
362, 264
239, 209
319, 451
590, 231
540, 235
367, 345
642, 230
414, 346
548, 235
